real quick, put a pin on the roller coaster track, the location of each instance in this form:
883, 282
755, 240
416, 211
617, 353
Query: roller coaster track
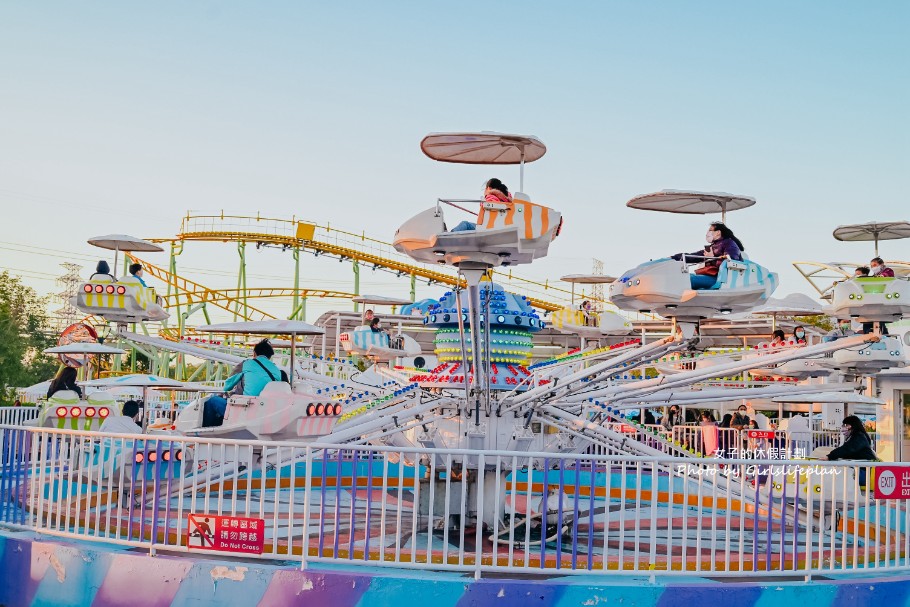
321, 240
188, 298
192, 293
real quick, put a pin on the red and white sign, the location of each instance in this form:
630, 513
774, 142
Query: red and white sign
225, 533
892, 482
760, 433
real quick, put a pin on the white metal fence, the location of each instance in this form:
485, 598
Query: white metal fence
457, 510
16, 416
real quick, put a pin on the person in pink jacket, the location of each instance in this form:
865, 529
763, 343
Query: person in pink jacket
494, 191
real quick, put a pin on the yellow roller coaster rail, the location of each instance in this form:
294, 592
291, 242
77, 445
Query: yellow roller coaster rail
296, 234
186, 292
187, 298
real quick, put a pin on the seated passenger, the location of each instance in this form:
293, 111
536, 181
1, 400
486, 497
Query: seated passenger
127, 423
254, 374
778, 338
64, 380
722, 243
375, 326
857, 444
878, 268
102, 270
861, 272
137, 271
799, 334
844, 329
494, 191
367, 318
587, 311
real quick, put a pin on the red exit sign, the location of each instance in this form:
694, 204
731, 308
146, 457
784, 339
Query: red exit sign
892, 482
760, 434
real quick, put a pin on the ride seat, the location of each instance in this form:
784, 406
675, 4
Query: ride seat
276, 387
130, 280
96, 277
102, 398
721, 276
64, 397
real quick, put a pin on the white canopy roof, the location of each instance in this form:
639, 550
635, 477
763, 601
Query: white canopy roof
485, 147
265, 327
124, 242
874, 230
141, 381
380, 300
588, 279
690, 202
794, 304
829, 397
84, 348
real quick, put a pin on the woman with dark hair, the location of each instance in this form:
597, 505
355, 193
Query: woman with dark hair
799, 334
64, 380
722, 243
495, 192
778, 338
857, 444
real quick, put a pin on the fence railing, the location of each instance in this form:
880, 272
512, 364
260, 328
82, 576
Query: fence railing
16, 416
459, 510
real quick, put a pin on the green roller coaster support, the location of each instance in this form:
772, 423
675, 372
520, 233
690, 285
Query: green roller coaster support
356, 266
241, 283
295, 305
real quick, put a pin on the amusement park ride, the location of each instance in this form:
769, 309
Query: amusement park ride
486, 392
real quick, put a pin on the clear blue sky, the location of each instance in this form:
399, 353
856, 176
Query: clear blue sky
119, 117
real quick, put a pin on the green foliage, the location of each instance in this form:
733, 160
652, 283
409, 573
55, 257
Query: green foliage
820, 320
24, 333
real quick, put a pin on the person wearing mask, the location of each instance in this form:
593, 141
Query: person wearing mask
878, 268
799, 334
740, 420
137, 272
843, 329
672, 418
254, 375
496, 197
857, 445
722, 243
778, 338
126, 423
64, 380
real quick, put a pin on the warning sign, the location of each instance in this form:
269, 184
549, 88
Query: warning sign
225, 533
892, 482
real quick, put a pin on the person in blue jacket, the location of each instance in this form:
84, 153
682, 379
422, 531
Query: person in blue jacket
722, 243
249, 378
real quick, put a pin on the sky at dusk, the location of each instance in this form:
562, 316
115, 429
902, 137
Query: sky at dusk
121, 117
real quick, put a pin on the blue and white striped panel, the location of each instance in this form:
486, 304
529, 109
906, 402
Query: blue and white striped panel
364, 339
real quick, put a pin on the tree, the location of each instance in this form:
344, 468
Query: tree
24, 333
821, 321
